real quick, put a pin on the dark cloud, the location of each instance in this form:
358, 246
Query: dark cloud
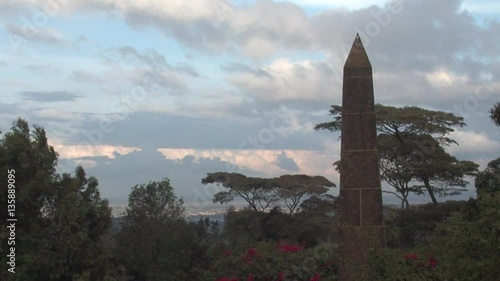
286, 163
117, 176
167, 131
55, 96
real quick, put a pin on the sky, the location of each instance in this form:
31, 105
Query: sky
139, 90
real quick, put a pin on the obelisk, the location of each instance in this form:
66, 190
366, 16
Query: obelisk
361, 213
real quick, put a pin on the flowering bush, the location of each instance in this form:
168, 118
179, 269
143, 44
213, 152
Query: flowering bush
390, 264
280, 261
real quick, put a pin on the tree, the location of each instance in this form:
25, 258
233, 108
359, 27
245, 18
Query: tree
441, 173
402, 121
293, 188
79, 219
155, 242
410, 142
262, 193
495, 113
257, 192
61, 218
395, 168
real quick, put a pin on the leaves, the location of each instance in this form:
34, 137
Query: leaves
410, 143
262, 193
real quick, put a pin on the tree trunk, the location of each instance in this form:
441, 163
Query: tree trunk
430, 190
404, 203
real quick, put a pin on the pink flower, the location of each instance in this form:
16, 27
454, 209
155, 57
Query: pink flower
315, 277
281, 276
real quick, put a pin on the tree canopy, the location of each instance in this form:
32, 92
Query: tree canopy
411, 143
61, 216
262, 193
155, 241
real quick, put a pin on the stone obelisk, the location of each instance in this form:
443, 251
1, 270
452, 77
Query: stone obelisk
361, 213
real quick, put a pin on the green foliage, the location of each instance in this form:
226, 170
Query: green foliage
262, 193
61, 218
495, 113
155, 241
463, 246
408, 120
488, 181
406, 228
410, 143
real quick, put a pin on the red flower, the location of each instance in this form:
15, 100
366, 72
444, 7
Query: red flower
290, 248
250, 277
281, 276
227, 253
412, 257
251, 253
432, 262
315, 277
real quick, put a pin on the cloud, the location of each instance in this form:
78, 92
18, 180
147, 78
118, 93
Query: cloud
151, 70
43, 70
78, 151
84, 76
56, 96
55, 114
477, 143
286, 163
45, 35
285, 80
264, 161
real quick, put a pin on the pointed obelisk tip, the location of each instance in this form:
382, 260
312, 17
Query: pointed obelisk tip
357, 56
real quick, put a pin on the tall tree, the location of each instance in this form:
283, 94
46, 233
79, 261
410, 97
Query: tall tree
155, 242
60, 217
411, 141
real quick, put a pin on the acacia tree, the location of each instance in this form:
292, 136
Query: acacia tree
293, 188
410, 142
262, 193
257, 192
